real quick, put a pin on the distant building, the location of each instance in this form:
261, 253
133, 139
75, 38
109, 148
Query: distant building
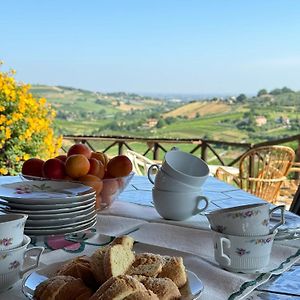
260, 120
283, 120
150, 123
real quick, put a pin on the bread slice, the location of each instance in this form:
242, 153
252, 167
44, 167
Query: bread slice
125, 240
142, 295
117, 260
118, 288
62, 287
97, 264
147, 264
174, 269
164, 288
79, 267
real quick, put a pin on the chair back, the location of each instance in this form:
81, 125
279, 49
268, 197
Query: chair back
263, 170
140, 163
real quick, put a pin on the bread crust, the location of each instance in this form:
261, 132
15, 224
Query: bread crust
118, 287
61, 287
97, 264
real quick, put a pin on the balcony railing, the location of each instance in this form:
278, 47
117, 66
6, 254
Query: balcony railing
208, 150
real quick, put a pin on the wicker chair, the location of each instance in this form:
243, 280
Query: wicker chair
262, 171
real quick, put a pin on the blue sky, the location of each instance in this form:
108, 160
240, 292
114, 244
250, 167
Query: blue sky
153, 46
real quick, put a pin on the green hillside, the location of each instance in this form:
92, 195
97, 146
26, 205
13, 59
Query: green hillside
235, 120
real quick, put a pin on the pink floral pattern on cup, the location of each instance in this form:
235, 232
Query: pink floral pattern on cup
244, 214
261, 241
6, 242
241, 251
14, 265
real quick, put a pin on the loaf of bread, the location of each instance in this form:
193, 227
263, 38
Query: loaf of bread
79, 267
97, 260
174, 269
147, 264
125, 240
164, 288
117, 260
62, 287
118, 288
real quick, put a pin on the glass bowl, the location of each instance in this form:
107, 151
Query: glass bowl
112, 188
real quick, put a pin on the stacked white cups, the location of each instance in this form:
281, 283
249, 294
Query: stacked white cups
242, 236
177, 191
13, 249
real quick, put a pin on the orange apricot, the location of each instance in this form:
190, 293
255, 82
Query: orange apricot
92, 181
119, 166
77, 165
80, 149
100, 156
54, 168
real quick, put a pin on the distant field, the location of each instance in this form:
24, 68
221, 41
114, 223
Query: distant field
81, 112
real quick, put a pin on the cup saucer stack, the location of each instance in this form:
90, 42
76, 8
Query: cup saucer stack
53, 207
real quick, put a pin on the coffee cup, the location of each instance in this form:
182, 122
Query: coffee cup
12, 261
246, 220
165, 182
11, 230
247, 254
185, 167
178, 206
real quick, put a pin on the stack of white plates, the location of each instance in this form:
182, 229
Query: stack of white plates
53, 207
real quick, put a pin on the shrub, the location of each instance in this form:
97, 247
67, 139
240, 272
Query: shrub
25, 126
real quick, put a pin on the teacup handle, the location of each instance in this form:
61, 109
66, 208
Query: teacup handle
199, 210
149, 173
34, 252
224, 242
282, 218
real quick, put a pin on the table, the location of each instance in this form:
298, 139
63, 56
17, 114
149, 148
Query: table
135, 215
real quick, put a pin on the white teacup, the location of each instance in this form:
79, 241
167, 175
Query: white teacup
165, 182
185, 167
247, 254
246, 220
178, 206
11, 230
11, 263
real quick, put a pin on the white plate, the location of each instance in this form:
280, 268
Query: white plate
44, 191
66, 215
48, 206
60, 231
63, 225
29, 284
61, 221
54, 210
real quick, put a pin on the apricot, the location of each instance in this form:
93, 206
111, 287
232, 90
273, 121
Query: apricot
101, 156
92, 181
80, 149
119, 166
54, 168
33, 167
77, 165
62, 157
96, 168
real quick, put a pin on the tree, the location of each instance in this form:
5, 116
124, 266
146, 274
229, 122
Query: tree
241, 98
161, 123
262, 92
25, 126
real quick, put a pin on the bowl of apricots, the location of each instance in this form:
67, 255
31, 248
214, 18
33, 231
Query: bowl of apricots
107, 176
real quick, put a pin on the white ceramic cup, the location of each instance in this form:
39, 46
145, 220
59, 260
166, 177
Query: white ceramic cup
165, 182
11, 263
246, 220
11, 230
185, 167
178, 206
247, 254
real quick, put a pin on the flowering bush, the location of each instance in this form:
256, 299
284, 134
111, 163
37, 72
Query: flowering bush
25, 126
